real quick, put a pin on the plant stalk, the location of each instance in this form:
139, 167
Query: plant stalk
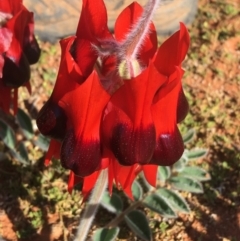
92, 206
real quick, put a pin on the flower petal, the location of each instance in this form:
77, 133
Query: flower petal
53, 151
92, 27
73, 180
52, 120
173, 51
69, 75
93, 21
125, 21
5, 97
150, 173
169, 144
81, 150
127, 128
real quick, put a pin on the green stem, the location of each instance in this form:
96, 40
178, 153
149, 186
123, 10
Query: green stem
134, 205
92, 206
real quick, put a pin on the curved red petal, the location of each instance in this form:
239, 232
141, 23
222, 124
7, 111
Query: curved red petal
52, 120
89, 183
73, 180
15, 101
169, 144
92, 27
124, 176
53, 151
10, 6
5, 98
81, 150
125, 21
69, 75
127, 127
79, 154
182, 107
93, 21
28, 86
173, 51
169, 148
150, 173
5, 39
17, 24
138, 95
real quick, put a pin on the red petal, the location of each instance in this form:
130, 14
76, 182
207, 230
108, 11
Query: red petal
169, 148
15, 101
5, 97
17, 25
93, 21
182, 107
128, 127
28, 86
69, 74
52, 120
72, 181
84, 51
126, 19
150, 173
124, 176
10, 6
53, 151
173, 51
169, 144
5, 39
89, 183
84, 106
92, 27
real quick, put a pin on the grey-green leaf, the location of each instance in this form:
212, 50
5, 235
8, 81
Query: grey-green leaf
137, 190
42, 142
25, 123
138, 223
163, 173
105, 234
179, 165
176, 201
159, 204
195, 173
196, 154
23, 152
112, 203
186, 184
7, 135
189, 136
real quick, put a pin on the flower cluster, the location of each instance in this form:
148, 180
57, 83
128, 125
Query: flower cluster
18, 50
117, 98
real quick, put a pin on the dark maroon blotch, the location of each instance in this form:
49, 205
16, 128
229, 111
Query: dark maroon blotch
15, 75
182, 106
52, 120
32, 51
131, 147
169, 149
81, 156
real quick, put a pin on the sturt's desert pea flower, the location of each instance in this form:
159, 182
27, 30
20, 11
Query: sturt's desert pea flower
18, 50
117, 98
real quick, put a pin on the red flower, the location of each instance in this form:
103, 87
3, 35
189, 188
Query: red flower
18, 49
121, 96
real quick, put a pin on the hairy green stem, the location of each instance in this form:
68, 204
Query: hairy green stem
120, 217
92, 206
